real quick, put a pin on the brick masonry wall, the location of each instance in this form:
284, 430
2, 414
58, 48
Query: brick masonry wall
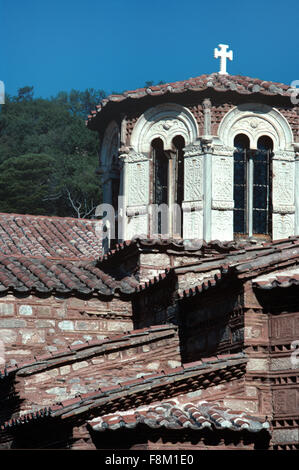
32, 325
210, 324
97, 367
272, 376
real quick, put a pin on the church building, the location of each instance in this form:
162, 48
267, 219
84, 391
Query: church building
171, 321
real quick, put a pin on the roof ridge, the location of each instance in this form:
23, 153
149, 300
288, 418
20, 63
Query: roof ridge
241, 84
59, 408
51, 217
70, 349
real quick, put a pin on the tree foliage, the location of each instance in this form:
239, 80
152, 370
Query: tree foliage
48, 157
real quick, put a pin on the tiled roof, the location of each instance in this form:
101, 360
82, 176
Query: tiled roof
59, 276
200, 248
215, 81
50, 237
173, 415
284, 278
157, 386
77, 352
239, 260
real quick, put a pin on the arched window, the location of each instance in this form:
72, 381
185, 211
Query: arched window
178, 146
160, 161
160, 187
168, 186
252, 186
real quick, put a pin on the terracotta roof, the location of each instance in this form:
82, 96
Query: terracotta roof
173, 415
150, 387
77, 352
50, 237
284, 278
238, 260
59, 276
200, 248
207, 371
215, 81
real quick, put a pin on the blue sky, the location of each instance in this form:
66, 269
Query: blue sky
118, 45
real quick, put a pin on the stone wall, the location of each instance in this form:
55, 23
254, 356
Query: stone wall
32, 325
88, 368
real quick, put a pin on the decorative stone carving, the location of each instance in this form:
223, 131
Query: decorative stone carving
137, 183
192, 150
283, 184
130, 156
283, 225
254, 127
164, 121
222, 174
137, 227
193, 225
207, 105
285, 327
255, 120
222, 225
193, 178
284, 155
222, 205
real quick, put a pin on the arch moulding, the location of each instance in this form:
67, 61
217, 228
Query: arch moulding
256, 120
164, 121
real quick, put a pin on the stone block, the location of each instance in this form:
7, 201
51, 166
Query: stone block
80, 365
8, 336
44, 323
44, 311
282, 363
61, 312
86, 325
18, 352
32, 337
280, 436
113, 356
257, 364
250, 391
65, 370
173, 364
6, 309
41, 377
252, 332
248, 406
66, 325
58, 391
12, 323
118, 326
153, 365
99, 360
25, 310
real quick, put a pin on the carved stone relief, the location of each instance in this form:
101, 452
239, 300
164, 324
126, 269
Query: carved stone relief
222, 225
137, 183
137, 227
283, 225
193, 225
193, 178
222, 174
283, 183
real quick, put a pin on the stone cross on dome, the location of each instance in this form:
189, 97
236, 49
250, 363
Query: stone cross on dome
223, 54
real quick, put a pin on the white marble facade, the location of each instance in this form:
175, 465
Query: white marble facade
208, 205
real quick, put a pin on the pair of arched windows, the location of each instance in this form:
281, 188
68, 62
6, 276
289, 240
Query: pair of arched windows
252, 186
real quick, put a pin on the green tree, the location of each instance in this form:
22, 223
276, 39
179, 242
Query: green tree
54, 128
25, 182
